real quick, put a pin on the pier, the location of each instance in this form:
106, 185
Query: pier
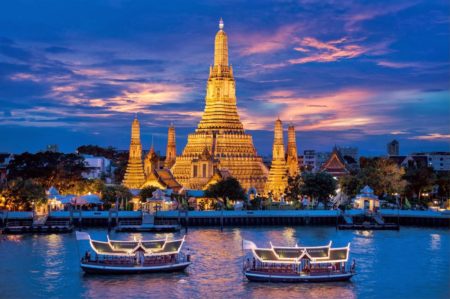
227, 218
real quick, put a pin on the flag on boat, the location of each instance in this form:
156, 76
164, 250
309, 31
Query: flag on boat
82, 236
248, 244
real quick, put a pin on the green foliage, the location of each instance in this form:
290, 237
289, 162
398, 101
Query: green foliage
147, 192
228, 188
47, 168
420, 179
381, 174
21, 194
97, 151
319, 185
119, 192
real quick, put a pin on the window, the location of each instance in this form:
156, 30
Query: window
195, 171
204, 170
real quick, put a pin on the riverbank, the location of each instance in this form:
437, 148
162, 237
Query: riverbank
232, 218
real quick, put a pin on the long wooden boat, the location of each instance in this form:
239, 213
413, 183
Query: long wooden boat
298, 263
129, 257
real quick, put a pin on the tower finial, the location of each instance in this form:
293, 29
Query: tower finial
221, 24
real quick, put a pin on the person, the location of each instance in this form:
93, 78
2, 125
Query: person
353, 265
254, 263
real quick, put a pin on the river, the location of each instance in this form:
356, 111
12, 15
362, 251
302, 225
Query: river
410, 263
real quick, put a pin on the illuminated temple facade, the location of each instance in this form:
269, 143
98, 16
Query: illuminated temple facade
134, 175
220, 142
278, 179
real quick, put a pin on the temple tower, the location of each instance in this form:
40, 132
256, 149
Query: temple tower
134, 175
171, 150
292, 156
151, 162
277, 180
221, 132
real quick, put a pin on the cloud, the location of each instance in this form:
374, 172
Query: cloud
334, 50
258, 43
432, 136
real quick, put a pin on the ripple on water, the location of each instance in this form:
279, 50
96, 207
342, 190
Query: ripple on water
415, 258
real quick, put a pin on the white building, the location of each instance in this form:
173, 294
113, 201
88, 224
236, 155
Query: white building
313, 160
98, 167
440, 161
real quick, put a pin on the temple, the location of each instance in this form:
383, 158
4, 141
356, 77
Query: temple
220, 142
171, 150
292, 155
336, 164
134, 175
277, 180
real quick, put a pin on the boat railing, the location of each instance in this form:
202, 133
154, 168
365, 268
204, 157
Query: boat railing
295, 269
132, 260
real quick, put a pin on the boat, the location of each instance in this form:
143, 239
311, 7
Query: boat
129, 257
298, 263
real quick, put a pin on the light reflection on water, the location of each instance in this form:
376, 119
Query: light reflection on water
417, 259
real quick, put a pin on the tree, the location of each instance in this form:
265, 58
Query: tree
419, 179
293, 189
147, 192
227, 188
319, 185
117, 192
47, 168
23, 194
381, 174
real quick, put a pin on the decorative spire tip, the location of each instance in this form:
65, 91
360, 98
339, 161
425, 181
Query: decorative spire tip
221, 24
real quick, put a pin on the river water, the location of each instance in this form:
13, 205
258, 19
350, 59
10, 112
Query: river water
411, 263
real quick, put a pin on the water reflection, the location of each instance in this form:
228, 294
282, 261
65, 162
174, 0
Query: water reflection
416, 259
435, 242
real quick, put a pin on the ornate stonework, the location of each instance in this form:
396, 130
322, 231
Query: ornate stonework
151, 162
292, 156
134, 175
277, 180
220, 142
171, 150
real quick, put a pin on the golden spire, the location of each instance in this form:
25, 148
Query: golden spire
134, 175
277, 180
292, 155
221, 47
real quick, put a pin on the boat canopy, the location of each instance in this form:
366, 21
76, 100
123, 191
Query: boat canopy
316, 255
149, 247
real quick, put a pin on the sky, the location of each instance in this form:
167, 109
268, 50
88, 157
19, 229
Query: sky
346, 73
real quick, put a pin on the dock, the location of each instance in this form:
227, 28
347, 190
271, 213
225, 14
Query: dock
146, 225
111, 219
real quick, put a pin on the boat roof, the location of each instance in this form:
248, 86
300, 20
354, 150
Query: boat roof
316, 254
149, 247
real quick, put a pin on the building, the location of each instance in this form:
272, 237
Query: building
292, 155
278, 174
393, 148
313, 160
97, 167
171, 150
349, 153
336, 165
440, 161
134, 175
220, 142
5, 158
53, 148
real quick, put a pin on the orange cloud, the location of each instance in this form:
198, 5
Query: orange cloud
432, 136
333, 50
267, 43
